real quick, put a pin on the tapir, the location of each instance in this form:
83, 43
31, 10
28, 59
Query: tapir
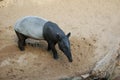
41, 29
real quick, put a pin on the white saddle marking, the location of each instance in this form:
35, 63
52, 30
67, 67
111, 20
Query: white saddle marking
31, 26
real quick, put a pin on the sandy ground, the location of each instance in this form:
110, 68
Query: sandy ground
94, 25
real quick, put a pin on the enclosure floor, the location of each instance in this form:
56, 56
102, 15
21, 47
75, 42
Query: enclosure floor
94, 27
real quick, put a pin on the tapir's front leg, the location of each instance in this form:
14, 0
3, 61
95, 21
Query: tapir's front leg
49, 46
55, 55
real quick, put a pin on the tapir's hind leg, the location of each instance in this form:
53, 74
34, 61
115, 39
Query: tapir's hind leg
21, 41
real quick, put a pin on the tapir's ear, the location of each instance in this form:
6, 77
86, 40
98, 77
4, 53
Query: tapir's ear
58, 37
68, 35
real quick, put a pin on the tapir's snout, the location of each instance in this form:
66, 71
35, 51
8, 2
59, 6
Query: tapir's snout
70, 59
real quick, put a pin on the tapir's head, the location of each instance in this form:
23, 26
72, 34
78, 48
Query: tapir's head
64, 45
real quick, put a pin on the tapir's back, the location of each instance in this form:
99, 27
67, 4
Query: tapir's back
31, 26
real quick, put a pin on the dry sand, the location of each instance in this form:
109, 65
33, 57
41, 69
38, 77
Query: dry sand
95, 28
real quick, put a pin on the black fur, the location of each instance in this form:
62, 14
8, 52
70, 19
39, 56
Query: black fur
53, 34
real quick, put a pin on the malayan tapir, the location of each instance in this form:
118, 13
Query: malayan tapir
39, 28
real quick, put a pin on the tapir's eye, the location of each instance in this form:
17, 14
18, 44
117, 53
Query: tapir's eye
61, 46
64, 45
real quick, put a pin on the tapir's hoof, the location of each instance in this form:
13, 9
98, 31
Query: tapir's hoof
48, 49
56, 57
22, 49
71, 60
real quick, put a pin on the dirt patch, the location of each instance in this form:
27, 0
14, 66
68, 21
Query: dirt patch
34, 61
